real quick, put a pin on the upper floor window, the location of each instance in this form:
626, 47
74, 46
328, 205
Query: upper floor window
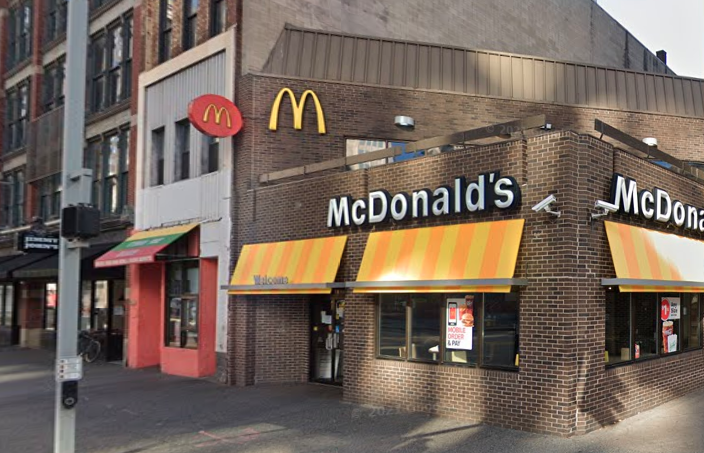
13, 198
210, 154
166, 15
19, 44
218, 17
95, 4
56, 19
190, 16
157, 157
48, 197
17, 116
110, 65
108, 157
362, 146
183, 150
54, 84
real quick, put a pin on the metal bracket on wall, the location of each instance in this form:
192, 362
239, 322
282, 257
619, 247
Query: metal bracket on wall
501, 130
649, 152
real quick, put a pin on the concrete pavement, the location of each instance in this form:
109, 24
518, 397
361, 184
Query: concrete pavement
142, 411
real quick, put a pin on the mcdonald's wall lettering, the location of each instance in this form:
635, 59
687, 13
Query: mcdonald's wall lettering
297, 107
215, 115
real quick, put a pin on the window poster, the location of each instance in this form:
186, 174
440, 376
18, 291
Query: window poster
669, 310
460, 323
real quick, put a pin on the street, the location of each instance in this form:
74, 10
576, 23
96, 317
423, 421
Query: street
143, 411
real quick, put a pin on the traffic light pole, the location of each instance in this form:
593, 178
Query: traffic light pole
75, 190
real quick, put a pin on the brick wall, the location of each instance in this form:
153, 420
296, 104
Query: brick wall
563, 386
358, 111
151, 27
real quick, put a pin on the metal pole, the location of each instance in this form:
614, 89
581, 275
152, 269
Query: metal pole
74, 191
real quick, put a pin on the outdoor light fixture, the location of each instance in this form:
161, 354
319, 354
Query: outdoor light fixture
605, 208
651, 141
546, 127
404, 122
545, 206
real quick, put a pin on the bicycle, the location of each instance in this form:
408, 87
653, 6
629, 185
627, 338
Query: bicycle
88, 347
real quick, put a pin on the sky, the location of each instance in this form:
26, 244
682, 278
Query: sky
677, 26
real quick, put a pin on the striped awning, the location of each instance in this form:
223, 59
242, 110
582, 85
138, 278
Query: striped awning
651, 261
306, 266
143, 246
474, 257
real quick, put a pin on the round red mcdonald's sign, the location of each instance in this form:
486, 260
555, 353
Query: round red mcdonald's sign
215, 115
665, 310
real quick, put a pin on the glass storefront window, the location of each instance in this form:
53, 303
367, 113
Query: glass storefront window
691, 328
425, 327
645, 316
392, 325
500, 329
86, 305
9, 298
459, 329
618, 332
182, 304
51, 300
4, 318
100, 305
647, 325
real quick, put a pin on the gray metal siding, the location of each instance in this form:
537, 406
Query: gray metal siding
338, 57
167, 102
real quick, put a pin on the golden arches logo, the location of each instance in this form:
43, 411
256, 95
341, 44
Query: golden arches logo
297, 110
218, 114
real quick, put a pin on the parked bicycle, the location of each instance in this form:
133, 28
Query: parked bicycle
88, 347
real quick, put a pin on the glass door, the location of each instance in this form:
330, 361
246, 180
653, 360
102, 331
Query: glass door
327, 338
9, 330
116, 321
102, 313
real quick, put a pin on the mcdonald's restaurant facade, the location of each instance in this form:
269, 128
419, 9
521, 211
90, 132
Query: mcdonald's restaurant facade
470, 275
426, 282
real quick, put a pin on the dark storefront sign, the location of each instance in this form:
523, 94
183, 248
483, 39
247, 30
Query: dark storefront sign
31, 242
654, 204
488, 191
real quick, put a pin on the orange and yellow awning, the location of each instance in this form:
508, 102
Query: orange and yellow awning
306, 266
474, 257
651, 261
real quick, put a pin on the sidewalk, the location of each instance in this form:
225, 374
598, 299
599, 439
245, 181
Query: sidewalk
143, 411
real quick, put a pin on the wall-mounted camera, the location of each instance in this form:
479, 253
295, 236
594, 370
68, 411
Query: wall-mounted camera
605, 208
545, 206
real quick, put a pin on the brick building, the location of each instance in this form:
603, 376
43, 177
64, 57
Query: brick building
448, 305
568, 333
33, 59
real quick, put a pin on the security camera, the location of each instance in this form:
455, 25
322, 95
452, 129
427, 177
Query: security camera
545, 203
545, 206
606, 206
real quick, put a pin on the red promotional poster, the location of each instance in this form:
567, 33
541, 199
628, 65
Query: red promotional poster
665, 310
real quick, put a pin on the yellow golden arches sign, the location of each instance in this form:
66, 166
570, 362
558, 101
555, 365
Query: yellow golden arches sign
218, 111
297, 110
